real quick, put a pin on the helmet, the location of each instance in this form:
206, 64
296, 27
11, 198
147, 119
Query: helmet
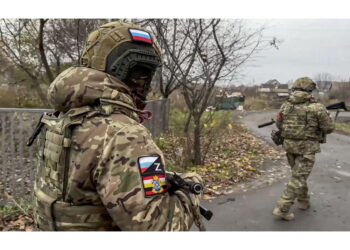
304, 84
119, 37
125, 51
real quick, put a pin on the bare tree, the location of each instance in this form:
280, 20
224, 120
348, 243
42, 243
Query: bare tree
323, 77
18, 39
340, 90
42, 48
215, 50
66, 39
324, 81
173, 40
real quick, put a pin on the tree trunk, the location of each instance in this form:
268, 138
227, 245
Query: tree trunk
197, 142
49, 74
166, 114
187, 124
40, 93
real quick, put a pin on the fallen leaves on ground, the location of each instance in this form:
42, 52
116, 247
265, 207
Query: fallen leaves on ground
17, 223
235, 156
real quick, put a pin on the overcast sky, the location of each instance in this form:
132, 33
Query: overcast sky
309, 46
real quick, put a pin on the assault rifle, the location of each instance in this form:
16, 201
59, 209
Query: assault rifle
336, 106
277, 137
176, 182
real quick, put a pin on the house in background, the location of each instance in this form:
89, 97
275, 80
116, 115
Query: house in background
228, 100
274, 90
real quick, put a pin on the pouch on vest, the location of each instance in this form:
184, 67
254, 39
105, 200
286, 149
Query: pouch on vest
52, 211
51, 178
295, 122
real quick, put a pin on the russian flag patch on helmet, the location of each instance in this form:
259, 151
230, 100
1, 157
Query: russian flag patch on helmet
140, 36
153, 175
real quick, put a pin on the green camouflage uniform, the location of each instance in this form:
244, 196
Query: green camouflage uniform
303, 123
90, 157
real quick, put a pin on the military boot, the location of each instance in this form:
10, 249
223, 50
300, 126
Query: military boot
283, 215
304, 205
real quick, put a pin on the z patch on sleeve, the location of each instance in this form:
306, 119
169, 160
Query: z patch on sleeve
153, 175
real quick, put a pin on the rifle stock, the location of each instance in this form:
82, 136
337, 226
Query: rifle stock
337, 106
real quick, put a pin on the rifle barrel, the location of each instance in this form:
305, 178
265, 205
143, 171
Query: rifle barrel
176, 182
266, 124
207, 214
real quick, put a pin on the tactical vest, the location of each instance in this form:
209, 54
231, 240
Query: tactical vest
51, 210
300, 122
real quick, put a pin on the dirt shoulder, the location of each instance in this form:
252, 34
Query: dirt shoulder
237, 160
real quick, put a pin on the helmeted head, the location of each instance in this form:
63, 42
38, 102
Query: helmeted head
125, 51
304, 84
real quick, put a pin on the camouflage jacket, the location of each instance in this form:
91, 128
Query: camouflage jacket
303, 122
114, 172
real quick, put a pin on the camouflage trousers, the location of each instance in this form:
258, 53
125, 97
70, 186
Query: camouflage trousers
297, 187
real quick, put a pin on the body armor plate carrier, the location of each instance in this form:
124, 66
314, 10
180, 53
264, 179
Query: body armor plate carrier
52, 211
300, 122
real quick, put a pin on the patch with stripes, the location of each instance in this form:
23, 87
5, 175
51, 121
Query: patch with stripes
153, 175
140, 36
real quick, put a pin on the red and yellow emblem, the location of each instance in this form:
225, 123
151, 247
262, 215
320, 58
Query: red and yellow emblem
154, 184
153, 175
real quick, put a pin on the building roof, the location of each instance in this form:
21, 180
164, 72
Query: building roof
271, 84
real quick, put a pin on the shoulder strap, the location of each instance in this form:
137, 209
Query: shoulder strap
39, 126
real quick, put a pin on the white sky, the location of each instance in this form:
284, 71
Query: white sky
309, 46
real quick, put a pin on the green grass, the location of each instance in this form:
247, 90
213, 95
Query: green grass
172, 167
344, 127
174, 144
255, 104
177, 120
12, 209
15, 207
162, 143
209, 120
10, 98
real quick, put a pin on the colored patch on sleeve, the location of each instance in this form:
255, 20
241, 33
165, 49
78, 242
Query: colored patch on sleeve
140, 36
153, 175
279, 116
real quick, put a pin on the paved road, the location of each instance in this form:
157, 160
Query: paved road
329, 183
342, 116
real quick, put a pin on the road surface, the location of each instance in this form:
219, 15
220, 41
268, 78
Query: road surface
329, 184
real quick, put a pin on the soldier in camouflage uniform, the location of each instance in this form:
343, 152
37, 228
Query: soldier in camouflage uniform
303, 123
99, 168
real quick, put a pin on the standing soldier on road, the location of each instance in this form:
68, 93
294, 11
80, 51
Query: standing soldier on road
303, 123
99, 168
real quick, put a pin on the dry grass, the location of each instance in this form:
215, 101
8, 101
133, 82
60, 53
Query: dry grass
343, 127
19, 97
233, 155
8, 98
253, 103
16, 216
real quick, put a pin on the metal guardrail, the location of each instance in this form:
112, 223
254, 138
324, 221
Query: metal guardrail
18, 162
12, 110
